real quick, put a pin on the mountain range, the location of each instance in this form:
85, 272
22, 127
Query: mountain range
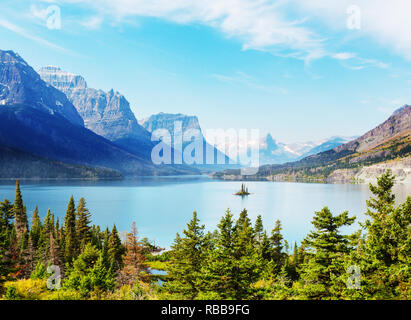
387, 145
54, 125
107, 114
37, 118
273, 152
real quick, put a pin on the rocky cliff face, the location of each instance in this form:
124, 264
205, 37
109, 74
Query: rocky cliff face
398, 123
168, 120
106, 113
172, 123
401, 168
20, 84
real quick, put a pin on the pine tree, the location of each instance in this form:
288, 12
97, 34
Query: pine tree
70, 235
186, 259
6, 239
277, 244
327, 249
259, 229
233, 264
35, 231
115, 250
20, 218
295, 263
384, 256
82, 224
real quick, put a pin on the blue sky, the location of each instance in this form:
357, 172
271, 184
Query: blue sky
294, 70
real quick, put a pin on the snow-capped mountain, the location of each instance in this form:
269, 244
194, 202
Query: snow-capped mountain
274, 152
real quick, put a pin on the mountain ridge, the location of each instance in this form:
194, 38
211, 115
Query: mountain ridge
389, 141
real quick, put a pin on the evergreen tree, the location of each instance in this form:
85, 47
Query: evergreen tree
20, 218
6, 238
82, 224
233, 264
259, 229
90, 272
277, 245
384, 256
326, 248
186, 259
70, 235
35, 231
115, 250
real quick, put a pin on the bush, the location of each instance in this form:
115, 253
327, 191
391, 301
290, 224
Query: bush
29, 289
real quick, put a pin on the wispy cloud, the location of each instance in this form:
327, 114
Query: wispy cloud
92, 23
387, 22
247, 80
26, 34
258, 24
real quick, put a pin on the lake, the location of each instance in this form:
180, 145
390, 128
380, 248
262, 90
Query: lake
161, 206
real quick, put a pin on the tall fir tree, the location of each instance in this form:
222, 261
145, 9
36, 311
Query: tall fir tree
70, 235
258, 229
186, 259
36, 228
20, 218
277, 245
83, 224
115, 250
327, 248
384, 257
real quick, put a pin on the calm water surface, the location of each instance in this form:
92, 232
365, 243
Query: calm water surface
162, 206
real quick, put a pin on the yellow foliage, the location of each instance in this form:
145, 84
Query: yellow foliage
36, 289
29, 289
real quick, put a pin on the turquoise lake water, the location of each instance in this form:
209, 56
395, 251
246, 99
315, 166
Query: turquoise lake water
162, 206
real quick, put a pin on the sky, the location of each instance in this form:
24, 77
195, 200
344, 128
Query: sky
300, 70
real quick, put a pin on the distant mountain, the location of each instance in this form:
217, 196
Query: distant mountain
328, 144
20, 84
106, 113
273, 152
169, 121
32, 121
388, 144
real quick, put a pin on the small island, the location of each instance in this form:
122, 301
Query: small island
243, 191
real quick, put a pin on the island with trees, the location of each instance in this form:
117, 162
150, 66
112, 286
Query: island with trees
243, 191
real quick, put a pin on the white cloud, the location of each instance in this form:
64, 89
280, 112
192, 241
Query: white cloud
92, 22
24, 33
387, 22
266, 24
259, 24
343, 56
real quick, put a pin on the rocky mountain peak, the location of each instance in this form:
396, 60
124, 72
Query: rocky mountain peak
105, 113
61, 79
398, 124
167, 121
20, 84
